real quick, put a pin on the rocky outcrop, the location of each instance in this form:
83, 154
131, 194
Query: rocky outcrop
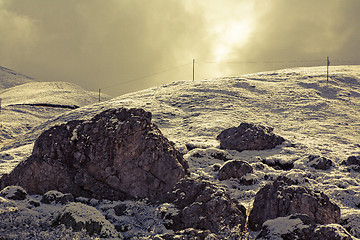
203, 205
118, 154
249, 136
300, 226
319, 162
283, 198
79, 216
234, 169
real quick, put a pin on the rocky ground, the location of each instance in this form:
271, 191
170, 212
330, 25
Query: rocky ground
272, 155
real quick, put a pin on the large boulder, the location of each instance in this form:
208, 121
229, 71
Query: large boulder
119, 154
203, 205
283, 198
249, 136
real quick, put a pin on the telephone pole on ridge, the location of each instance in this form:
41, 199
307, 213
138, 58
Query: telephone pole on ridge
193, 69
327, 71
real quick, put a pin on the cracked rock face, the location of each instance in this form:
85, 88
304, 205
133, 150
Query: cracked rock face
283, 198
119, 154
203, 205
249, 136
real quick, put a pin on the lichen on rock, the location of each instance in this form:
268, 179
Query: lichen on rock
118, 154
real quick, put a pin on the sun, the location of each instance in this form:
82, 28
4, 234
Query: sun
229, 36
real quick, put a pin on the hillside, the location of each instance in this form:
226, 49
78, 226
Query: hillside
10, 78
315, 116
26, 103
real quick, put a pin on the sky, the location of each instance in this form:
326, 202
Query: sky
121, 46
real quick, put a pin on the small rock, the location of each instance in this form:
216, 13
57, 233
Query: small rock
220, 156
234, 169
122, 227
14, 193
216, 167
248, 179
332, 231
189, 233
79, 216
352, 160
278, 164
249, 136
120, 209
319, 162
57, 197
34, 203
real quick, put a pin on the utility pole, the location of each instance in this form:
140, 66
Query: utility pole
99, 96
327, 72
193, 69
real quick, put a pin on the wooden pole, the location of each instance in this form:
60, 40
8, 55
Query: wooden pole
0, 105
99, 96
193, 69
327, 71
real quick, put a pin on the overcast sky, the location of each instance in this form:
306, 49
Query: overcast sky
115, 44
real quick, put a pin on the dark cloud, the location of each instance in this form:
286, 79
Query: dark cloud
106, 44
98, 43
302, 31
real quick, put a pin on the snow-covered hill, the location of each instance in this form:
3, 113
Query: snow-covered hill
26, 103
314, 115
9, 78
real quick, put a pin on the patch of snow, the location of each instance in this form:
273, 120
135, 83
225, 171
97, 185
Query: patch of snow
283, 225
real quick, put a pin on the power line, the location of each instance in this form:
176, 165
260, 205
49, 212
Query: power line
278, 61
257, 62
146, 76
352, 61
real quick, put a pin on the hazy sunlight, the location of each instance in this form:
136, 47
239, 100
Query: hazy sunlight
232, 35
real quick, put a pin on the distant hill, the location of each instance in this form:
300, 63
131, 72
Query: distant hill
61, 93
26, 103
9, 78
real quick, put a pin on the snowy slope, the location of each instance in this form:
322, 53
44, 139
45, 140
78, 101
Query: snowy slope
314, 115
10, 78
57, 93
26, 103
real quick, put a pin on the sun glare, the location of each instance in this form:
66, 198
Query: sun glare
230, 36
